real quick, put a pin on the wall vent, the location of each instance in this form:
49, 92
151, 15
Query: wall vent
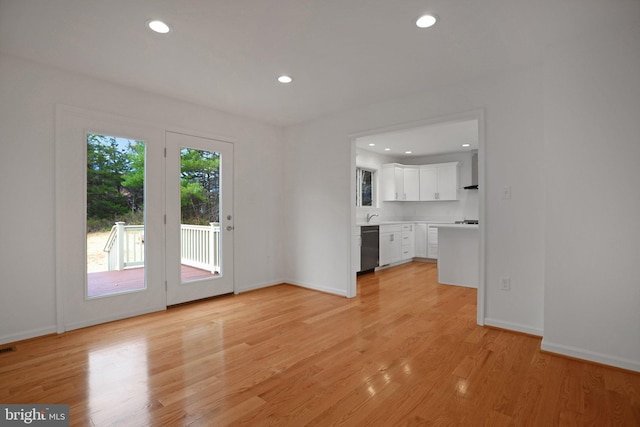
7, 350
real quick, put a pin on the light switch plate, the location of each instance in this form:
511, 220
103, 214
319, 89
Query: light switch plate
506, 192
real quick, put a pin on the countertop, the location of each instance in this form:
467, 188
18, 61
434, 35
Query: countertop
460, 226
363, 224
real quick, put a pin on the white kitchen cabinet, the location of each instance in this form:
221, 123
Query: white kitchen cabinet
432, 241
400, 183
408, 241
411, 183
421, 240
439, 182
392, 182
390, 244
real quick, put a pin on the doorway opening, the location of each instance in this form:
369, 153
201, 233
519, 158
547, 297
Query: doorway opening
441, 142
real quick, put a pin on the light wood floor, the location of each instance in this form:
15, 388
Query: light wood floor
406, 351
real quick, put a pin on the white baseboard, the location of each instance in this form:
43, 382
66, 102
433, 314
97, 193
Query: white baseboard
513, 327
25, 335
120, 316
324, 289
580, 353
393, 264
258, 286
459, 284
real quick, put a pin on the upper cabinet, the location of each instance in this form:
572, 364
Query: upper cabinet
439, 182
407, 183
411, 183
400, 183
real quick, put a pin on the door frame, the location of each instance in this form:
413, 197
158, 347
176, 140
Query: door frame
201, 288
63, 114
479, 116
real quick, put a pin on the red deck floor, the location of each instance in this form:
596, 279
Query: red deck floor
109, 282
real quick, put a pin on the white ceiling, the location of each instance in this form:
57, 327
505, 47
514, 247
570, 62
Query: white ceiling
227, 54
424, 140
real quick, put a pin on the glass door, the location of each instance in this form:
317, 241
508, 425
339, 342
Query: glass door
115, 215
109, 218
199, 205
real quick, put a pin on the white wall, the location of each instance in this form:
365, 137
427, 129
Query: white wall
592, 157
318, 208
29, 93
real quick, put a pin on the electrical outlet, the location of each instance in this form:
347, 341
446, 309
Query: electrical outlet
505, 284
506, 192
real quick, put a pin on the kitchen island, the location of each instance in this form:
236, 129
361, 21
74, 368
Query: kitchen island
458, 254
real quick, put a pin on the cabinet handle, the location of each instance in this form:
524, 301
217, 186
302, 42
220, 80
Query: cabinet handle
396, 195
391, 237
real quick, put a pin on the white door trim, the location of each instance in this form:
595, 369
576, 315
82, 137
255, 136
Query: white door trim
478, 115
178, 292
63, 114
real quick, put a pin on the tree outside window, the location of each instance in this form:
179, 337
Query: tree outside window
364, 187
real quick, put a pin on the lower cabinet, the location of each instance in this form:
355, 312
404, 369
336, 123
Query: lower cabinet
421, 240
390, 244
397, 243
408, 241
432, 242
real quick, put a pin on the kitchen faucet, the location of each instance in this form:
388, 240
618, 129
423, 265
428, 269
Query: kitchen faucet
369, 216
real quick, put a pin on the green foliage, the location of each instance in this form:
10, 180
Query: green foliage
115, 183
199, 186
105, 224
106, 166
133, 180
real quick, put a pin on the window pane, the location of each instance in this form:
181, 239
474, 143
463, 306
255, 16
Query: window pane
200, 214
367, 188
115, 215
364, 187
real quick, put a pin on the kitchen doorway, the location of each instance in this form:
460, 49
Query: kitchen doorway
411, 143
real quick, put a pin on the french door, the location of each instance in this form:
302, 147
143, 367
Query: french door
199, 187
162, 203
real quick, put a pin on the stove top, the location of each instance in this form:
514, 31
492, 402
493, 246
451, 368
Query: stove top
468, 221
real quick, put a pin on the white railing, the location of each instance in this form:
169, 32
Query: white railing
199, 246
125, 246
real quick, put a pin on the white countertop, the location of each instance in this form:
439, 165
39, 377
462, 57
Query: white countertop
459, 226
362, 224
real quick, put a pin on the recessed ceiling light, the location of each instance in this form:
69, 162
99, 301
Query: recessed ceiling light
372, 145
407, 152
426, 21
285, 79
387, 149
466, 145
159, 26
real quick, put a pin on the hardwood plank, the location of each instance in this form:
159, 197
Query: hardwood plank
406, 351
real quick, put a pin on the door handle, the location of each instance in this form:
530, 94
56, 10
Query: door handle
229, 227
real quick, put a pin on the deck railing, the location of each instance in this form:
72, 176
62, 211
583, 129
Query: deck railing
199, 246
125, 246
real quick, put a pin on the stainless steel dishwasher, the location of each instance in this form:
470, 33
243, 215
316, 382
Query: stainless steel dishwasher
369, 251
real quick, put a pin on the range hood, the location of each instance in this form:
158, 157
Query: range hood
474, 173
